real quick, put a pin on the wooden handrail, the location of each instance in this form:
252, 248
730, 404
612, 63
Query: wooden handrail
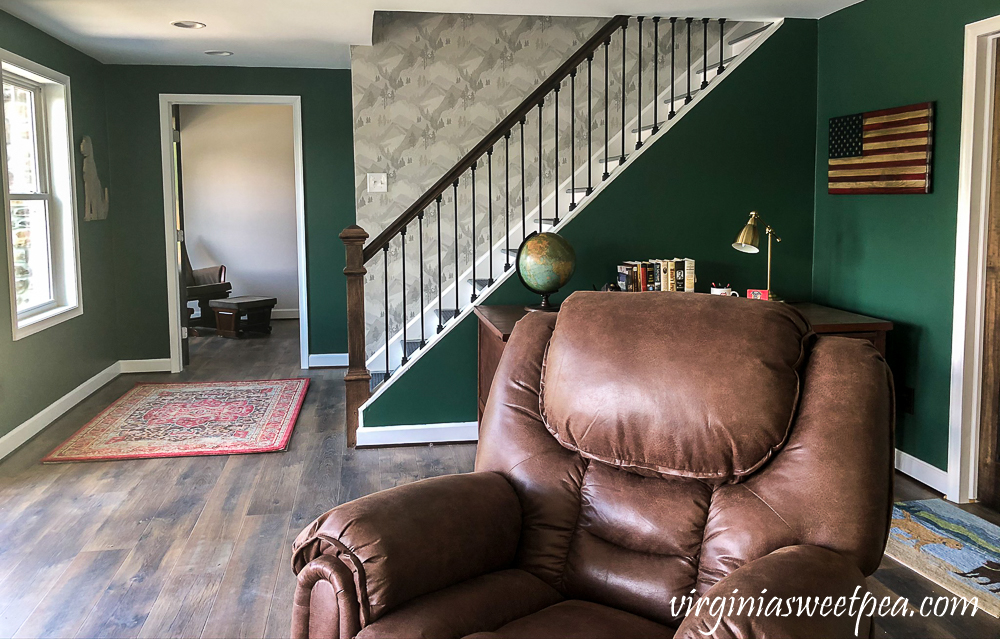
589, 47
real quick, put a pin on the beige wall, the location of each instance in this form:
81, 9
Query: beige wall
239, 196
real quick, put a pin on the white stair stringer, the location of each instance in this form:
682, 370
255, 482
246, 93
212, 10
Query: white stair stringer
377, 360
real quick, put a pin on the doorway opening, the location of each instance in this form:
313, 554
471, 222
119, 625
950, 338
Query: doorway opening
234, 220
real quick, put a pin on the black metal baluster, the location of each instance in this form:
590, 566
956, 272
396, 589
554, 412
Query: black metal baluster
621, 159
402, 237
556, 155
474, 238
656, 74
688, 71
722, 45
673, 60
385, 287
458, 305
524, 202
541, 105
590, 124
638, 117
440, 311
420, 228
607, 96
489, 198
506, 189
572, 139
704, 53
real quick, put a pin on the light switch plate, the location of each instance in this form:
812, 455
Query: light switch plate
378, 183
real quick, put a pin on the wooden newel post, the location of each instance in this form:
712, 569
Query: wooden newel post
358, 379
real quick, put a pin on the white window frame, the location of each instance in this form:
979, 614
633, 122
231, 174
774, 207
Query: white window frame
57, 172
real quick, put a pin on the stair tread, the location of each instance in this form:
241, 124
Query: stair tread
649, 127
613, 158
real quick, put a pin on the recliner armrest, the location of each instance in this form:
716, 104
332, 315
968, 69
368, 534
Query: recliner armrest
786, 574
414, 539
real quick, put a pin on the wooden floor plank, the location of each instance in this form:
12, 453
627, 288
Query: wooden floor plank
182, 607
244, 598
62, 611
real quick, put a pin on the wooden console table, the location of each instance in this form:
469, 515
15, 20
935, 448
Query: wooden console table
497, 322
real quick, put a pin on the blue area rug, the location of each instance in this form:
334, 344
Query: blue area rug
952, 548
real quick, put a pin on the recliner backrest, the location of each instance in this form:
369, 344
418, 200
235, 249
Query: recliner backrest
660, 441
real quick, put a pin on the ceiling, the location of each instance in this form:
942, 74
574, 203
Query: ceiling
313, 33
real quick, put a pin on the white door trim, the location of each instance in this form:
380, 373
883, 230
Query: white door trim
970, 258
167, 100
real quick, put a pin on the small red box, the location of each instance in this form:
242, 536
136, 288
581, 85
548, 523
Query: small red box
756, 294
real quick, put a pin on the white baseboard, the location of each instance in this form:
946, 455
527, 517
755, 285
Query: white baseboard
284, 313
922, 471
144, 365
418, 434
36, 424
22, 433
328, 360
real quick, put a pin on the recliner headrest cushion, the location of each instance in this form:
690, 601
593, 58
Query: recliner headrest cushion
675, 384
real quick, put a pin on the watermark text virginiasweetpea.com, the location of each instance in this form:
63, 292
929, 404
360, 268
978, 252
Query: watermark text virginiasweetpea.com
857, 606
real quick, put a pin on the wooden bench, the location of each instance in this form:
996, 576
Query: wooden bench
235, 316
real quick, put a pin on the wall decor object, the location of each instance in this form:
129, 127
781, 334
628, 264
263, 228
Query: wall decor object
96, 196
882, 152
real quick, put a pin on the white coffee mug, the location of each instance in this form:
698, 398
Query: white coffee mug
724, 291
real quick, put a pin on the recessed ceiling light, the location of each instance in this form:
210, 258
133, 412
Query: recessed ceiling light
219, 53
188, 24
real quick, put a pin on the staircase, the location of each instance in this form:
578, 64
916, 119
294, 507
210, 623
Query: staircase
535, 171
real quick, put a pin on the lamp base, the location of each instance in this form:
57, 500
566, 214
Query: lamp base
774, 297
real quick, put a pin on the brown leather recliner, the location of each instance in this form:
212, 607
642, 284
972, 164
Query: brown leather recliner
637, 448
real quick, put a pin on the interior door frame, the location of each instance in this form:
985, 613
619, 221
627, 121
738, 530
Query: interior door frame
981, 41
167, 100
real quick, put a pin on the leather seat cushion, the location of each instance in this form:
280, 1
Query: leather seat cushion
711, 397
576, 619
481, 603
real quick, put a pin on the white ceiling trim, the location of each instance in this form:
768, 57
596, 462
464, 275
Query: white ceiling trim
313, 33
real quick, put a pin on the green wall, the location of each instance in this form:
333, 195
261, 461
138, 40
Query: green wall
750, 144
138, 194
893, 256
39, 369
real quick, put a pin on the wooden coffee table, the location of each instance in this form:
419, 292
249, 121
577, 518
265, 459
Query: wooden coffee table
235, 316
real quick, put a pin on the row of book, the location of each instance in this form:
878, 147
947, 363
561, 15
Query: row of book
657, 275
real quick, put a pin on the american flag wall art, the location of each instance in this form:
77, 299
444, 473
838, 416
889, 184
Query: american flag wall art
887, 151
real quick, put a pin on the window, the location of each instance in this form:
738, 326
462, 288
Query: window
38, 196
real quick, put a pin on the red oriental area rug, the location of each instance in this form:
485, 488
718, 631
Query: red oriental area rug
194, 418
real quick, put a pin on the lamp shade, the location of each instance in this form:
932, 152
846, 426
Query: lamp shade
748, 241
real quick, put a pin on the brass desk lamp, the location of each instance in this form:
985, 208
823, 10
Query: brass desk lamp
748, 241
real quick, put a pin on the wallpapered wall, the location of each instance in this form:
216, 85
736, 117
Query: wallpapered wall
431, 87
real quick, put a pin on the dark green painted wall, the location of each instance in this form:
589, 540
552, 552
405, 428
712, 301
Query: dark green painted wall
135, 144
39, 369
749, 145
893, 256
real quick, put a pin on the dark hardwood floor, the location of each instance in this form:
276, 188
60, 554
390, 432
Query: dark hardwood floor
184, 547
201, 546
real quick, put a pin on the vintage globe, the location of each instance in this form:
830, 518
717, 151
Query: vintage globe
545, 262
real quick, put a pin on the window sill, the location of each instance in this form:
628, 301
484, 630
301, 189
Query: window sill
41, 321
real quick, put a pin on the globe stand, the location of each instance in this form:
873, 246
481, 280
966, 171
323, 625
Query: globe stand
545, 306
